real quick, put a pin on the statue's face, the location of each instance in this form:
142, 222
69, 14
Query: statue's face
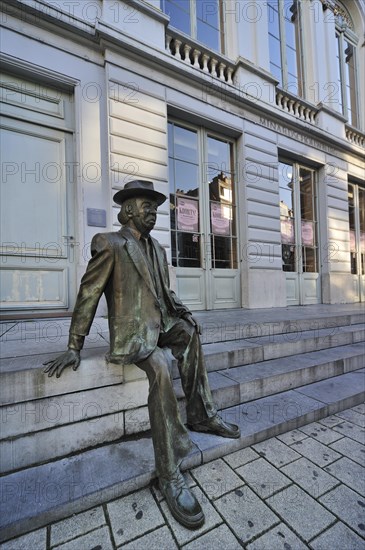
145, 214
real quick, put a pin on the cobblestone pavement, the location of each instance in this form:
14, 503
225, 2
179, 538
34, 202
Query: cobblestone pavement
301, 489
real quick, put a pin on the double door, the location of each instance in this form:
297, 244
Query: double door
299, 233
203, 213
356, 201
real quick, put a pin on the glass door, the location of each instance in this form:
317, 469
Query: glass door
299, 233
356, 201
203, 218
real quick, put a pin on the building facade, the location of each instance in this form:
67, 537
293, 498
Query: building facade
247, 114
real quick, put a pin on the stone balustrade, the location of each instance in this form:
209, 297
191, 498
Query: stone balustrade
195, 54
355, 136
296, 106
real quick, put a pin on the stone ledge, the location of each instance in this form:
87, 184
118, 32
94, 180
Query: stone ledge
22, 379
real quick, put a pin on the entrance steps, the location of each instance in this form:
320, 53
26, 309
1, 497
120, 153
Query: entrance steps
72, 443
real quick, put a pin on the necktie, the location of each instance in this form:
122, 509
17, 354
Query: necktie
147, 250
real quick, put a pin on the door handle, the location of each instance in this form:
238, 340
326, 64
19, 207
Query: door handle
207, 251
69, 239
203, 252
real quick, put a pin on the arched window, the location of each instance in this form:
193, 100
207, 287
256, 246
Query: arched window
199, 19
285, 44
346, 64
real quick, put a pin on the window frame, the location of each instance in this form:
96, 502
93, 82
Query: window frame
193, 34
345, 34
207, 239
357, 255
299, 47
300, 252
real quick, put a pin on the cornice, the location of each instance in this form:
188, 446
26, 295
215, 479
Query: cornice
326, 109
52, 77
31, 12
246, 64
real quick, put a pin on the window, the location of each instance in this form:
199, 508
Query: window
346, 69
199, 19
356, 202
202, 199
298, 218
285, 44
223, 238
184, 196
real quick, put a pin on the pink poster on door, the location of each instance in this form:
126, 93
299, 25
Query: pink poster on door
219, 216
352, 241
307, 234
287, 231
187, 215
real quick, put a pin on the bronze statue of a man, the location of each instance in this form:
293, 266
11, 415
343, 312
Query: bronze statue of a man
130, 268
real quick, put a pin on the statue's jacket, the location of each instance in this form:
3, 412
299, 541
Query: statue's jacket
119, 269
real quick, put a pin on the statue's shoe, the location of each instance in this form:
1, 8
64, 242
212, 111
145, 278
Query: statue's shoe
182, 503
216, 426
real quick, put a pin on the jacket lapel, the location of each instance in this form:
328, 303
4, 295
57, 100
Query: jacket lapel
161, 268
138, 259
159, 259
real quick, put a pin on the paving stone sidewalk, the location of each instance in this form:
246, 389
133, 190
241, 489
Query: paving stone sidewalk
302, 489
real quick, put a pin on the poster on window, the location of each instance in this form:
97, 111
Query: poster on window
362, 242
352, 241
187, 215
287, 231
307, 233
220, 218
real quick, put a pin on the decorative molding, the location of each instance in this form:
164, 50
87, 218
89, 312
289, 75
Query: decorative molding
37, 11
322, 107
252, 68
338, 11
36, 72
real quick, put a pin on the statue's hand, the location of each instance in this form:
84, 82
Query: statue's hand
71, 358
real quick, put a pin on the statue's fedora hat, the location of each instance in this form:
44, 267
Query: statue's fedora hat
138, 188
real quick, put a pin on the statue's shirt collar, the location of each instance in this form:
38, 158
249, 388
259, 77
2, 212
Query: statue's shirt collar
136, 234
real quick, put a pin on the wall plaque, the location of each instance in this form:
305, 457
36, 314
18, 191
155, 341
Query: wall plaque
96, 217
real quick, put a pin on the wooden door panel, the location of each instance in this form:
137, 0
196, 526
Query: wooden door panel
36, 196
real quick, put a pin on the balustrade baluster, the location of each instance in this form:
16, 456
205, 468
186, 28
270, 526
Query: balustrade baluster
221, 68
213, 66
229, 75
196, 54
177, 48
205, 59
187, 50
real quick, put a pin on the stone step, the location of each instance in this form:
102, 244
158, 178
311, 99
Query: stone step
257, 349
22, 378
47, 429
33, 497
30, 336
239, 325
245, 383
